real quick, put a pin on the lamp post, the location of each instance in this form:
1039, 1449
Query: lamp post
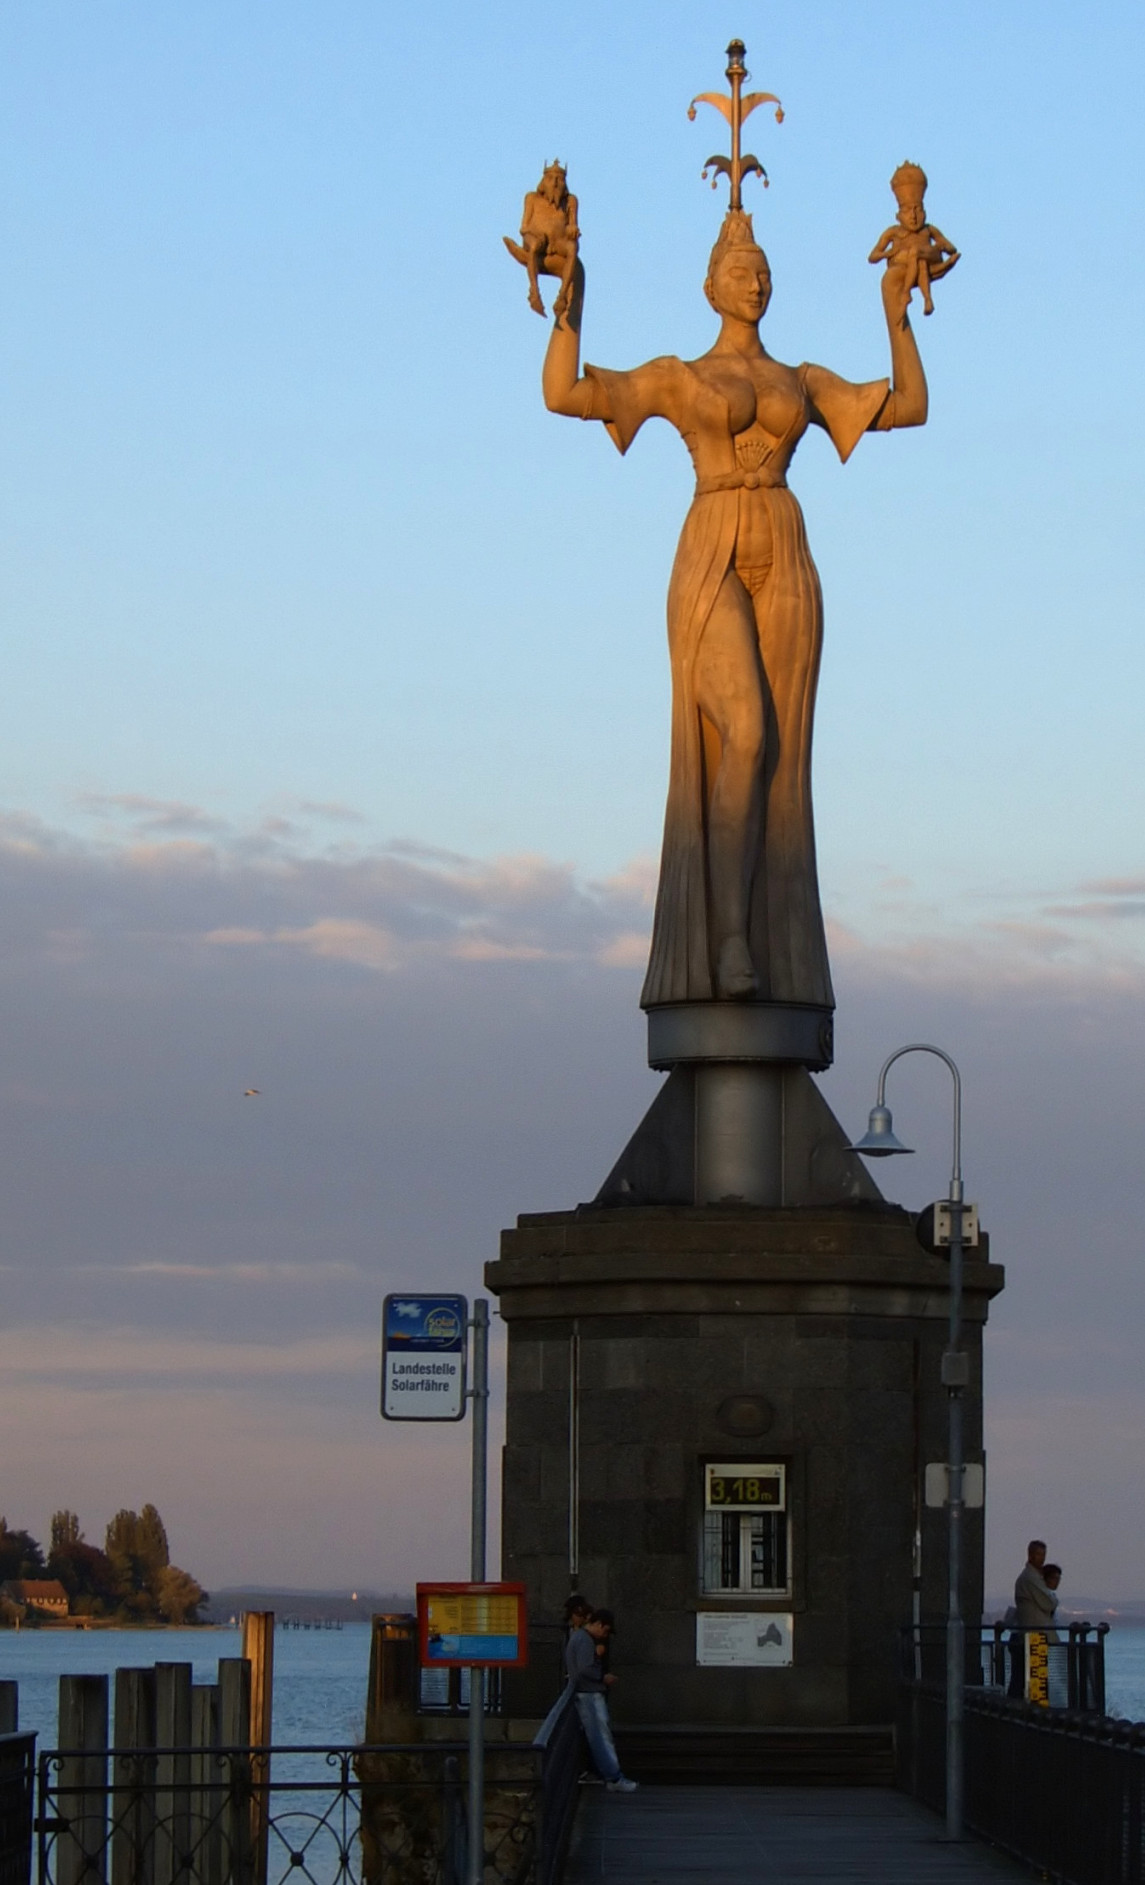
879, 1142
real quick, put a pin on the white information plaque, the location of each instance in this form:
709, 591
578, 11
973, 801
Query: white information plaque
755, 1639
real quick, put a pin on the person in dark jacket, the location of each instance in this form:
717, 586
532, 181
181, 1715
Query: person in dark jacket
590, 1683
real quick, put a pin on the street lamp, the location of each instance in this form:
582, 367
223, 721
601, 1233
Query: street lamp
879, 1142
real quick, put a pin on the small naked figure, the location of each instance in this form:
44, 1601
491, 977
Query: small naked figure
911, 246
549, 236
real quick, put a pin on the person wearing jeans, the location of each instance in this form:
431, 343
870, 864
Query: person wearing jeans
590, 1683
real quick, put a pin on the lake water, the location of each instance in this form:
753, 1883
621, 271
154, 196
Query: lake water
320, 1676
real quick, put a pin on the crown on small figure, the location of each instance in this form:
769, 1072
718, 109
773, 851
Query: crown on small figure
909, 184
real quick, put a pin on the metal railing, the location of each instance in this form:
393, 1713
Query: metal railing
1062, 1668
17, 1775
560, 1744
384, 1815
1063, 1790
446, 1692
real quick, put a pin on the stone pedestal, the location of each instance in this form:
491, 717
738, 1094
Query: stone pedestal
646, 1342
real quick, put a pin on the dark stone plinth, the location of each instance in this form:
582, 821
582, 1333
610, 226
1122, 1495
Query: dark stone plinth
807, 1337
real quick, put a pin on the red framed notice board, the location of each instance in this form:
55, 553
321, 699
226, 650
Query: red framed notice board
463, 1626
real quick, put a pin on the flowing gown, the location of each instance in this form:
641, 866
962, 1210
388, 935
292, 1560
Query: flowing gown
785, 928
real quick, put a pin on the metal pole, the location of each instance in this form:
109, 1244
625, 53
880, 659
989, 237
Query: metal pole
955, 1629
475, 1863
954, 1379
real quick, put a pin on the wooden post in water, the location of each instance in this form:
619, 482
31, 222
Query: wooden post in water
81, 1790
172, 1772
258, 1650
234, 1734
133, 1779
392, 1698
9, 1707
207, 1795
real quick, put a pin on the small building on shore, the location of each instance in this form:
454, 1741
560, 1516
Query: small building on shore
40, 1596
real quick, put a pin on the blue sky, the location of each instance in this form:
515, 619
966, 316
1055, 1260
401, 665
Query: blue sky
295, 568
283, 517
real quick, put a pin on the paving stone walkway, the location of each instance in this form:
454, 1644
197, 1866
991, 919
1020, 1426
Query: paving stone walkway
771, 1836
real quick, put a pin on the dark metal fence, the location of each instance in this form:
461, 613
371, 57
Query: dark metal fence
383, 1815
1061, 1789
560, 1745
17, 1773
1070, 1667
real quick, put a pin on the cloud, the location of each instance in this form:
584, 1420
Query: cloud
370, 908
149, 814
332, 810
143, 1359
192, 1284
339, 940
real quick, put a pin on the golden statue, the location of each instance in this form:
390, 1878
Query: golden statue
737, 911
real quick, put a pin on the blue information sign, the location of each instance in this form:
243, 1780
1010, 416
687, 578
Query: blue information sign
423, 1357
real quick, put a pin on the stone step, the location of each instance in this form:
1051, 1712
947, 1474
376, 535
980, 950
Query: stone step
726, 1757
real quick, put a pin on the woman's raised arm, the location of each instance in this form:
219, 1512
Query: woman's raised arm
563, 387
907, 402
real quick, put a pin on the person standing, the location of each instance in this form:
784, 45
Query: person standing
1034, 1606
1053, 1577
590, 1683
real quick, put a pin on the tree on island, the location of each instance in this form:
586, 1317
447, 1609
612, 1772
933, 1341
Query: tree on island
84, 1570
178, 1595
147, 1583
20, 1555
65, 1532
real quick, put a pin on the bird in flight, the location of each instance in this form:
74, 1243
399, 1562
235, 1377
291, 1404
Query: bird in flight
252, 1093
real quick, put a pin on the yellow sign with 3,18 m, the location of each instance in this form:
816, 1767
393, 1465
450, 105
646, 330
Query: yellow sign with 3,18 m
743, 1486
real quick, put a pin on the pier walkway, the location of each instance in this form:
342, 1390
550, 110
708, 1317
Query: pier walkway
771, 1836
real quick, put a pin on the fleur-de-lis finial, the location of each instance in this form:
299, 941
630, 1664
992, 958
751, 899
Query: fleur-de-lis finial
735, 109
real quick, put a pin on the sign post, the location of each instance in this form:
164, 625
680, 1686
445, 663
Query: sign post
477, 1533
423, 1378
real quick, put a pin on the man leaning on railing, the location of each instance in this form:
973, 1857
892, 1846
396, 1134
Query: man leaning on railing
590, 1683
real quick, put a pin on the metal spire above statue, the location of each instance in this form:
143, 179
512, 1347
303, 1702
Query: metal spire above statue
738, 972
735, 109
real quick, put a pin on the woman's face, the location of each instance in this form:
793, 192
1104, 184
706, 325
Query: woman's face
741, 285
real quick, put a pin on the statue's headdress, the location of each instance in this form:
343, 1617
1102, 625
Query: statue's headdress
736, 232
909, 184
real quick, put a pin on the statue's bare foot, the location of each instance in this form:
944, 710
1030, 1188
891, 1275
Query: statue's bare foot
535, 301
736, 979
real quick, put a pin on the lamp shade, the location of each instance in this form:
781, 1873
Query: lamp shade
879, 1140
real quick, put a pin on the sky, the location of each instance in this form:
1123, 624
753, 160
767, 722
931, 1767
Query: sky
333, 725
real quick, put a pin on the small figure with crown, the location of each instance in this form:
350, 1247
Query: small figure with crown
549, 237
912, 247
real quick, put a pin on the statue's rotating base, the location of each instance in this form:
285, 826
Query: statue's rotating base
739, 1056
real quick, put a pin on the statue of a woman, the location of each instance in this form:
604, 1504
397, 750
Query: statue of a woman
737, 912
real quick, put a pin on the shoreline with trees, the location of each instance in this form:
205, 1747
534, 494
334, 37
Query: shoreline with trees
128, 1583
